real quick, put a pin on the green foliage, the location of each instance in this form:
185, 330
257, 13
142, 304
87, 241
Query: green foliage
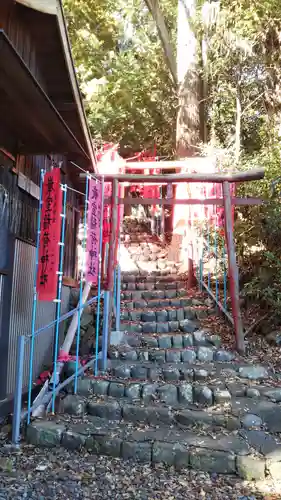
129, 94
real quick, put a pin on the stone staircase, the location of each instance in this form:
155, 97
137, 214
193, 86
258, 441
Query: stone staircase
172, 392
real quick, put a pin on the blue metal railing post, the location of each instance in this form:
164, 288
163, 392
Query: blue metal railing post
118, 305
34, 306
106, 303
81, 283
59, 295
18, 391
99, 279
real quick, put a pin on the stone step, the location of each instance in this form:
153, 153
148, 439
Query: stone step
246, 453
172, 340
179, 415
184, 301
153, 294
161, 314
166, 354
131, 278
185, 326
154, 285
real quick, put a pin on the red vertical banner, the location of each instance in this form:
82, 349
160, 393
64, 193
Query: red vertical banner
106, 213
93, 225
50, 232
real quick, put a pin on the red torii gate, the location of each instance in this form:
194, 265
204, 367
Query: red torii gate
226, 179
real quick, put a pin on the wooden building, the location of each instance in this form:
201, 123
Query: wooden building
42, 123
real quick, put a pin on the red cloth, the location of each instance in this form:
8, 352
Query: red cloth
50, 233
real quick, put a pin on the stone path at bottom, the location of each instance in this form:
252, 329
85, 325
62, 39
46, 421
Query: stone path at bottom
59, 474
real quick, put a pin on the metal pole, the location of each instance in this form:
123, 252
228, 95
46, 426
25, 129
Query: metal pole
99, 279
18, 391
118, 302
105, 330
111, 253
233, 270
34, 307
81, 284
58, 301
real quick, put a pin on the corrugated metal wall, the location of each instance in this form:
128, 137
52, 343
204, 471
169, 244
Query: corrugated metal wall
21, 317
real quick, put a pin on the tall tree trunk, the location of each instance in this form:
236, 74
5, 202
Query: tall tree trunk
188, 119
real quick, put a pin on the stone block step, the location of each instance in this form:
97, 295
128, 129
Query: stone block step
225, 453
161, 314
185, 326
184, 301
153, 294
172, 340
133, 278
168, 354
148, 285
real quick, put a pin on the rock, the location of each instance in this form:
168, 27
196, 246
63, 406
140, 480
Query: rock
133, 391
84, 386
72, 440
274, 395
253, 372
189, 313
213, 461
171, 374
200, 374
187, 373
205, 354
201, 313
149, 327
188, 356
186, 301
107, 410
203, 395
45, 433
190, 417
187, 340
162, 327
168, 394
73, 405
172, 314
139, 372
148, 316
122, 371
151, 341
173, 326
143, 356
250, 468
224, 356
222, 396
173, 356
161, 316
149, 392
103, 445
175, 302
187, 326
116, 390
186, 393
170, 454
200, 338
165, 342
135, 315
158, 356
170, 294
251, 392
250, 421
177, 341
180, 314
141, 452
100, 387
128, 355
267, 445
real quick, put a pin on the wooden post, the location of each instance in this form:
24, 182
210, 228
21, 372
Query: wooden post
233, 269
111, 252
